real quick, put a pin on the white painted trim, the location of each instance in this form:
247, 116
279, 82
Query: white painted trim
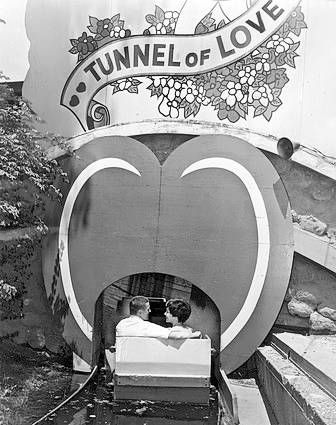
263, 253
260, 140
316, 248
80, 365
63, 247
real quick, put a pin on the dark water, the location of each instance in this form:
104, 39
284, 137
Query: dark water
95, 406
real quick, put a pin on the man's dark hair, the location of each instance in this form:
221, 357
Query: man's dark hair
180, 309
138, 303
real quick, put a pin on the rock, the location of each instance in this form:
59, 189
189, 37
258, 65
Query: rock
56, 344
295, 217
312, 224
321, 325
36, 338
331, 233
288, 295
306, 297
299, 308
328, 312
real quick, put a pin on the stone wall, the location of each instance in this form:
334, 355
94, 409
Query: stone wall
310, 302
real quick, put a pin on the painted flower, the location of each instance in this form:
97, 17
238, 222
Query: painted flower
170, 19
212, 87
189, 91
263, 94
263, 64
124, 84
159, 81
226, 112
247, 76
280, 44
169, 108
233, 93
86, 44
172, 90
159, 28
119, 32
202, 97
103, 27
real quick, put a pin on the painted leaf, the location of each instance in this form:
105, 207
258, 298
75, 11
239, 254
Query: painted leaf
201, 28
74, 42
271, 58
216, 101
284, 30
290, 59
133, 89
276, 92
259, 111
73, 50
239, 110
221, 24
277, 78
155, 91
191, 109
243, 107
260, 78
276, 102
196, 107
299, 26
280, 59
222, 114
151, 19
269, 111
293, 47
208, 21
115, 19
159, 13
135, 82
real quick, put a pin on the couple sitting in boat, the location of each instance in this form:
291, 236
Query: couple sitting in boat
177, 313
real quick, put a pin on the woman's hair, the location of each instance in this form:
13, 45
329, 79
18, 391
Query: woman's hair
180, 309
137, 303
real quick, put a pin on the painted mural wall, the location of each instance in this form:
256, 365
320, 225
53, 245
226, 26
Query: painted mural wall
252, 64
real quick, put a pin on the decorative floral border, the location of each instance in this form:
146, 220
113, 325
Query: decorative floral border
252, 85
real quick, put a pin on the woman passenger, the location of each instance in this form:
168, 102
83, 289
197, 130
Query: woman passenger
177, 313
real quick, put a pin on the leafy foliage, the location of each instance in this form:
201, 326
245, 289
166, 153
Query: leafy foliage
27, 177
15, 266
27, 174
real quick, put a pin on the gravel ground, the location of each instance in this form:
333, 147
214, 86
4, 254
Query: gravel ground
31, 383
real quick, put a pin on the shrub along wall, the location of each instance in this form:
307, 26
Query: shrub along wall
25, 316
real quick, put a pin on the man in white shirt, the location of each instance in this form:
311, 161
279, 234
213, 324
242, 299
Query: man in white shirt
137, 324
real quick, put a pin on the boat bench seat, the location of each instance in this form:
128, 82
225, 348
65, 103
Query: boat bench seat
162, 369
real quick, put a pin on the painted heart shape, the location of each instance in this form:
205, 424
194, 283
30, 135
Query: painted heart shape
215, 214
81, 87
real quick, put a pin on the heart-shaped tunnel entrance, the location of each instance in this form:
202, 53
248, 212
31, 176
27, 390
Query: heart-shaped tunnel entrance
215, 214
